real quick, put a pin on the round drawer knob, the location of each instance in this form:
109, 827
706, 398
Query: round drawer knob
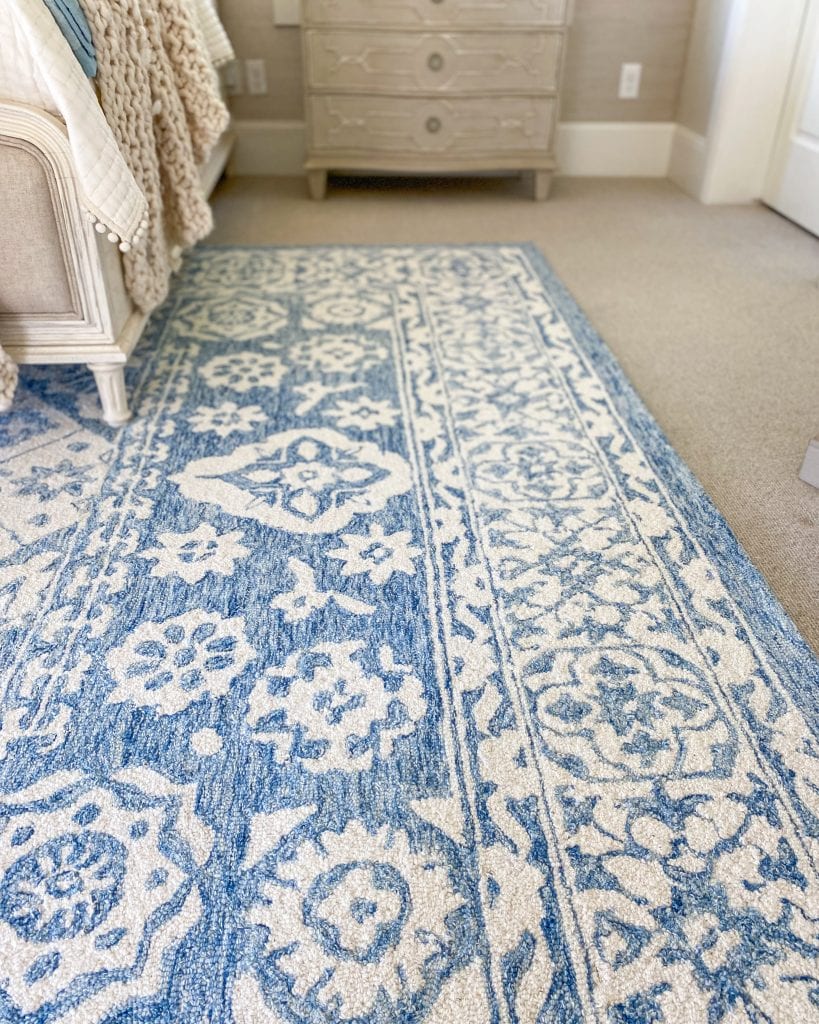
435, 62
437, 1
433, 125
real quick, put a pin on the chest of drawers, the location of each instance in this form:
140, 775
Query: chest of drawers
432, 86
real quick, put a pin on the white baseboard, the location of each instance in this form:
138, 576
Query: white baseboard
620, 149
688, 161
584, 149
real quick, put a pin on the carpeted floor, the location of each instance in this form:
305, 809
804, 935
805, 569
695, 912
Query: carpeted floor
712, 312
389, 668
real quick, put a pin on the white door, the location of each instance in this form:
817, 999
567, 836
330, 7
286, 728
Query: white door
793, 186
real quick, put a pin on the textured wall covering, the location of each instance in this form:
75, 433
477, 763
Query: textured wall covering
606, 33
390, 668
249, 24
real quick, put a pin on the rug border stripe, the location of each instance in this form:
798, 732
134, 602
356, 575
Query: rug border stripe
774, 629
776, 632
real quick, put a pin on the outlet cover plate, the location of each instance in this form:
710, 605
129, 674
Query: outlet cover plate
256, 77
630, 75
232, 78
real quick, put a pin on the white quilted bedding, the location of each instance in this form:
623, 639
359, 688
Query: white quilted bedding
37, 67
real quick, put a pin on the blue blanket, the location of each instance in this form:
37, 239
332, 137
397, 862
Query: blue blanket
72, 21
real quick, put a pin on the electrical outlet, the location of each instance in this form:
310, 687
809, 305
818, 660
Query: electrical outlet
256, 77
286, 12
232, 78
630, 75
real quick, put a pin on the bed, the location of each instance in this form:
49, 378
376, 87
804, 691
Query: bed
63, 297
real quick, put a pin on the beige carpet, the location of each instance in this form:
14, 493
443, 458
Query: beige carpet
712, 311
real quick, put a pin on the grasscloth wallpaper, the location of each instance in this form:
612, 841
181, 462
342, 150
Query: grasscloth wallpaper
604, 34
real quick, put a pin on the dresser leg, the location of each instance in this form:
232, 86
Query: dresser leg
317, 183
542, 184
110, 379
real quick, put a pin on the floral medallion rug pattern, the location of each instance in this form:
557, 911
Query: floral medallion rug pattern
389, 667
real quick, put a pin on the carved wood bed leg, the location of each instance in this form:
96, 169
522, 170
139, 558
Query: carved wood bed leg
110, 378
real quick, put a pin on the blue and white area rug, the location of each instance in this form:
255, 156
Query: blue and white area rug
389, 667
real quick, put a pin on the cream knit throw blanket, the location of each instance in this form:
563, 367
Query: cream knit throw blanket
160, 95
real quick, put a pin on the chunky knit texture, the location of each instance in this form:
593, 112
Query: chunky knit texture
160, 95
216, 39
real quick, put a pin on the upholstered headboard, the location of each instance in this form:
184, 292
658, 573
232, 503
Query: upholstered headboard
33, 275
61, 288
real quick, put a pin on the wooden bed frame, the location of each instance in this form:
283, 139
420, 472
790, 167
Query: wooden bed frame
103, 326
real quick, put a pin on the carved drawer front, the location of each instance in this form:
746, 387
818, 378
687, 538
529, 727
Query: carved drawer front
410, 62
462, 127
423, 13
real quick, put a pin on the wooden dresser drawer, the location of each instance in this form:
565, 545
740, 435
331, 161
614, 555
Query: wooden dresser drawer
485, 63
423, 13
461, 127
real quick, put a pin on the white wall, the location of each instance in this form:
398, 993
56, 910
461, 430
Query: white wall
708, 32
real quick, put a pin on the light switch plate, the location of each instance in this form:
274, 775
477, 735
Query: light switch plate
232, 78
286, 12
